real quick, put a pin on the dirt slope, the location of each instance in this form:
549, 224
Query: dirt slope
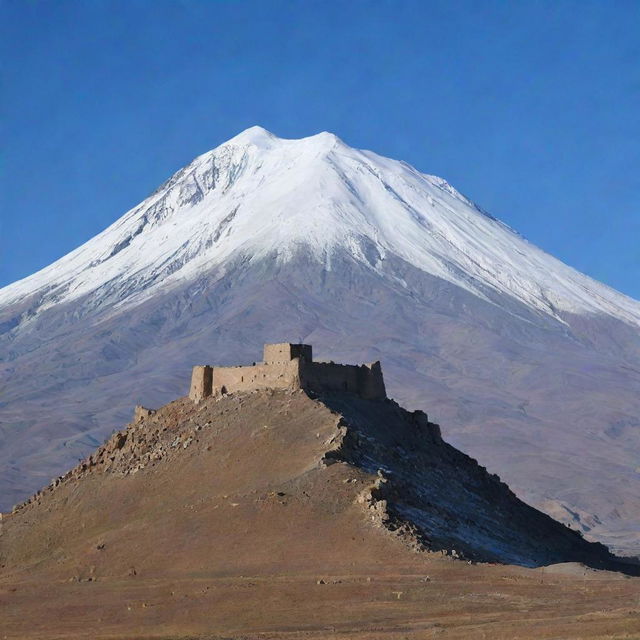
265, 515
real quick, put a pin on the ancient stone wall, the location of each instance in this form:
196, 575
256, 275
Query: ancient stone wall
201, 382
325, 376
365, 380
289, 366
372, 382
285, 352
284, 375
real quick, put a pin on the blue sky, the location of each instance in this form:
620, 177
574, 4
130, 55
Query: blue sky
530, 108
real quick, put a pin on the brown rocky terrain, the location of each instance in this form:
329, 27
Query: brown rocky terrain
277, 515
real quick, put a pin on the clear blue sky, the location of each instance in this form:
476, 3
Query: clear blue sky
530, 108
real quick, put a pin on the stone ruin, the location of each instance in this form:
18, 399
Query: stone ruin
284, 366
288, 366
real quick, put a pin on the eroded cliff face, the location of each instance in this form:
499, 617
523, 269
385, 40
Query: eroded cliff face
446, 498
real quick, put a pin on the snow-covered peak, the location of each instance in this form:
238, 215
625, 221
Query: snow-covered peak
257, 136
262, 139
258, 195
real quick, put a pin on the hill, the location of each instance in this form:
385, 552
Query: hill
272, 512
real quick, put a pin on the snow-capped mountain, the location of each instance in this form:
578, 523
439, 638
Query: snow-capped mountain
529, 365
258, 196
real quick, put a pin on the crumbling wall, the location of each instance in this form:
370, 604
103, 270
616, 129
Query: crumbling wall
364, 380
371, 382
140, 413
325, 376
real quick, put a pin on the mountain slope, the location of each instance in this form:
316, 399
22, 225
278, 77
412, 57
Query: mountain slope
533, 367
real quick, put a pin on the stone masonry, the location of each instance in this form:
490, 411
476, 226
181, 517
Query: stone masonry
289, 366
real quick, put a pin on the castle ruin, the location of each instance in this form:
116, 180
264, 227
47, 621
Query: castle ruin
288, 366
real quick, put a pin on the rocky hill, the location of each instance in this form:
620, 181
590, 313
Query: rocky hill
267, 494
407, 479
